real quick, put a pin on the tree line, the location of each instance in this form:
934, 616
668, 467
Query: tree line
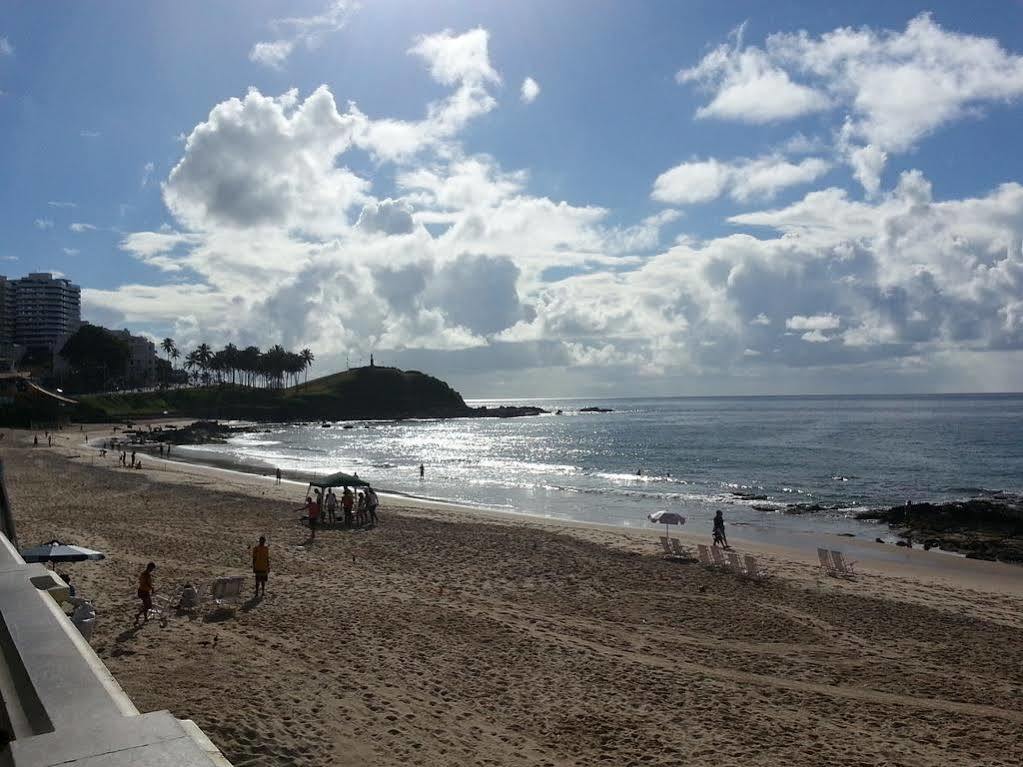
271, 369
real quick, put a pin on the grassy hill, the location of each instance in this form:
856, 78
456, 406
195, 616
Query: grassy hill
362, 393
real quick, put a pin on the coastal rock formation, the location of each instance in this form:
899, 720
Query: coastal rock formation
366, 393
981, 528
595, 409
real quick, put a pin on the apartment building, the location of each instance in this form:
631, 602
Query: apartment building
39, 311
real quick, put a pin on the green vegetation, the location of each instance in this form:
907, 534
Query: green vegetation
362, 393
94, 354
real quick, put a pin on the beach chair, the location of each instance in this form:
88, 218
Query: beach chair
842, 567
826, 564
225, 593
666, 545
719, 557
704, 553
678, 550
735, 564
753, 572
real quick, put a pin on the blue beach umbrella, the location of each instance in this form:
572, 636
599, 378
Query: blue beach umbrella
666, 518
55, 551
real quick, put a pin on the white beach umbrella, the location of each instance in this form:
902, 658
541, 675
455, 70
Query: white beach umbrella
666, 518
55, 551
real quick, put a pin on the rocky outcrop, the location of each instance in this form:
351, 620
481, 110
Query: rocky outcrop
981, 528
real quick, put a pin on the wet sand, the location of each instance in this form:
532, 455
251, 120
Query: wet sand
445, 636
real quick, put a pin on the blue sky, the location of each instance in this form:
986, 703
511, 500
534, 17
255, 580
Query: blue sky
699, 197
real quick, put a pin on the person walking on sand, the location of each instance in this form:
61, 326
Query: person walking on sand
720, 539
422, 471
145, 593
261, 565
278, 476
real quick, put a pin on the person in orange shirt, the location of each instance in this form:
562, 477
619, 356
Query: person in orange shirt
146, 590
261, 565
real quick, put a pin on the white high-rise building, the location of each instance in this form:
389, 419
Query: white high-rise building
46, 310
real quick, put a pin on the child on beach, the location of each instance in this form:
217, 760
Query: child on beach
145, 593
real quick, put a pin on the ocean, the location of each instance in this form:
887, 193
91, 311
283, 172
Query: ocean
756, 458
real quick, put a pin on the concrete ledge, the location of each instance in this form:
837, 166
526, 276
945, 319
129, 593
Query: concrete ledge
60, 703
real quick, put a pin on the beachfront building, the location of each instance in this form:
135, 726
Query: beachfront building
140, 370
39, 311
9, 351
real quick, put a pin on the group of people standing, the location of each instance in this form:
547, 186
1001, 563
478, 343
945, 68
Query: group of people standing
356, 509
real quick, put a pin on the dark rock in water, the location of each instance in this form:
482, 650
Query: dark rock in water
760, 507
846, 535
904, 544
749, 496
507, 411
595, 410
809, 508
878, 540
980, 528
197, 433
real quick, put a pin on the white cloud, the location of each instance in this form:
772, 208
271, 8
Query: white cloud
749, 87
81, 227
816, 322
457, 59
71, 251
264, 161
272, 54
897, 87
44, 223
147, 173
282, 232
743, 179
301, 30
815, 337
529, 91
90, 134
6, 49
694, 181
58, 204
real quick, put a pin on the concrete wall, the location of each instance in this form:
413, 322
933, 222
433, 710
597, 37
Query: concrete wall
60, 704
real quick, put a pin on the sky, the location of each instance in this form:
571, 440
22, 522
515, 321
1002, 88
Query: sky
572, 198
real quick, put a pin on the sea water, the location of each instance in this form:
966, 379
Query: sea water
755, 458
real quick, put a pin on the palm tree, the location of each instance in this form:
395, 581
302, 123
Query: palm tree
307, 360
192, 363
170, 350
204, 357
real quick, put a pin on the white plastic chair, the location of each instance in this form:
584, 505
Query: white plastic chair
826, 564
841, 566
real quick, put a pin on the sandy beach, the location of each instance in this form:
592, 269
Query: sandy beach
445, 636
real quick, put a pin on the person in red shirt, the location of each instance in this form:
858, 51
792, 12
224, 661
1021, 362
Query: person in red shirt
312, 508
